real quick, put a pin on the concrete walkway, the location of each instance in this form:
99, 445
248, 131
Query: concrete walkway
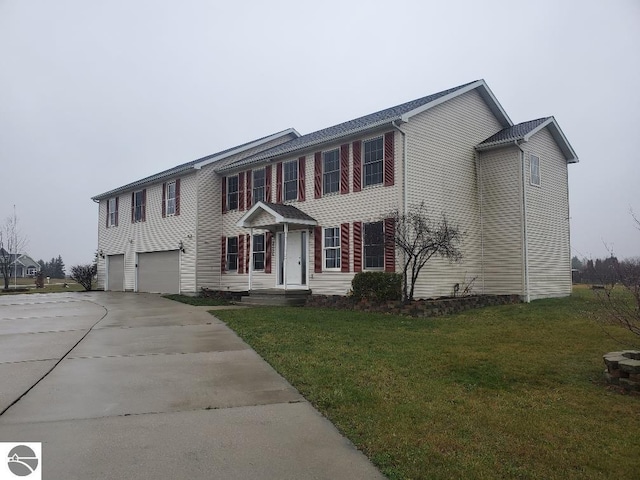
135, 386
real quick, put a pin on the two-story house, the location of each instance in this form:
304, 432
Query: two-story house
308, 212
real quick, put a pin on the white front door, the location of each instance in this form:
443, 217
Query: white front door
296, 261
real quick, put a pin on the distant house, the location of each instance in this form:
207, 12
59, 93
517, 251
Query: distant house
306, 212
20, 265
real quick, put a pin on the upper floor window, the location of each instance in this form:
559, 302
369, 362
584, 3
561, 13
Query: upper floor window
171, 198
138, 206
331, 248
374, 245
291, 180
232, 192
258, 252
232, 253
331, 171
373, 161
112, 212
534, 167
258, 186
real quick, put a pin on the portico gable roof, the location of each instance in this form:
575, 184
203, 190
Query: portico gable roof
279, 215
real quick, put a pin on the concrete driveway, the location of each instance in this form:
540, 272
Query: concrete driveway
135, 386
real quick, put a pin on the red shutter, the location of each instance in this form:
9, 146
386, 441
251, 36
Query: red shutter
389, 166
301, 178
241, 191
267, 251
248, 248
223, 254
344, 168
107, 222
389, 245
177, 197
248, 189
241, 256
279, 182
357, 166
164, 200
357, 246
144, 205
267, 184
133, 207
344, 247
117, 209
317, 249
317, 175
224, 195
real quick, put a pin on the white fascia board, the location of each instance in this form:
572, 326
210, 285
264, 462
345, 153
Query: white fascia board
249, 146
486, 94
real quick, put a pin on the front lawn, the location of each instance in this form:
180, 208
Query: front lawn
197, 301
503, 392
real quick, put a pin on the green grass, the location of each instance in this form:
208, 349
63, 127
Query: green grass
28, 283
197, 301
513, 391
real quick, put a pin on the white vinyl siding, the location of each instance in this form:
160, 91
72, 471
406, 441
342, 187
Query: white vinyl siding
154, 234
500, 174
442, 173
548, 221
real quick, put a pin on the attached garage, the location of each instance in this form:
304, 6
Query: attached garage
159, 272
115, 273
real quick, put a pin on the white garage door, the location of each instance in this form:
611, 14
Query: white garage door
115, 273
159, 272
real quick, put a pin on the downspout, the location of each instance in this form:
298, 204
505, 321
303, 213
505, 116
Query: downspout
527, 294
404, 167
480, 194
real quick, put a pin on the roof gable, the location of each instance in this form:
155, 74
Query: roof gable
400, 113
522, 132
281, 214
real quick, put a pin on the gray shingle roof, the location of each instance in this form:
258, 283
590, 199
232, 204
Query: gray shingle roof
185, 166
345, 129
289, 211
516, 132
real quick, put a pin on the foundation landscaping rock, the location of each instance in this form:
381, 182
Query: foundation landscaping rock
623, 369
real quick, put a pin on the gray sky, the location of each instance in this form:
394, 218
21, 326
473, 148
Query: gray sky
94, 95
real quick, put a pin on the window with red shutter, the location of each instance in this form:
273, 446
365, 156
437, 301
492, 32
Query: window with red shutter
357, 166
279, 182
344, 247
164, 200
317, 175
241, 186
267, 252
317, 249
177, 197
389, 245
223, 254
248, 176
267, 184
241, 256
301, 178
389, 166
224, 194
344, 168
357, 246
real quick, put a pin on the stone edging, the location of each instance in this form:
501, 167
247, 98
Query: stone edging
418, 308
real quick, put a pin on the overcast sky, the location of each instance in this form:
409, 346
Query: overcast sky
94, 94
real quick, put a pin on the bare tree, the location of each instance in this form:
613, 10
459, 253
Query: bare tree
12, 243
83, 274
419, 237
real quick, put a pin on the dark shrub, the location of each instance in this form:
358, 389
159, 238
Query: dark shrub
378, 286
83, 274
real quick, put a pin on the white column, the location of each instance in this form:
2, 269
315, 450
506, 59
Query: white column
284, 260
250, 256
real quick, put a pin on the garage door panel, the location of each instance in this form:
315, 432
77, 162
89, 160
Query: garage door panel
115, 273
159, 272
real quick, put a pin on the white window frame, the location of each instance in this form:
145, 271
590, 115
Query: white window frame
285, 181
365, 245
257, 253
364, 162
532, 175
325, 172
338, 249
113, 212
231, 254
138, 209
170, 208
253, 185
230, 194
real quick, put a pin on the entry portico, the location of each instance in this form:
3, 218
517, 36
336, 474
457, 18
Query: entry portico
291, 228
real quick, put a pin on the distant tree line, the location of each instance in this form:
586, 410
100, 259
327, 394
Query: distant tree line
54, 268
607, 271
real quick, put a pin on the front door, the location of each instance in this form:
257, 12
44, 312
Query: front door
296, 261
